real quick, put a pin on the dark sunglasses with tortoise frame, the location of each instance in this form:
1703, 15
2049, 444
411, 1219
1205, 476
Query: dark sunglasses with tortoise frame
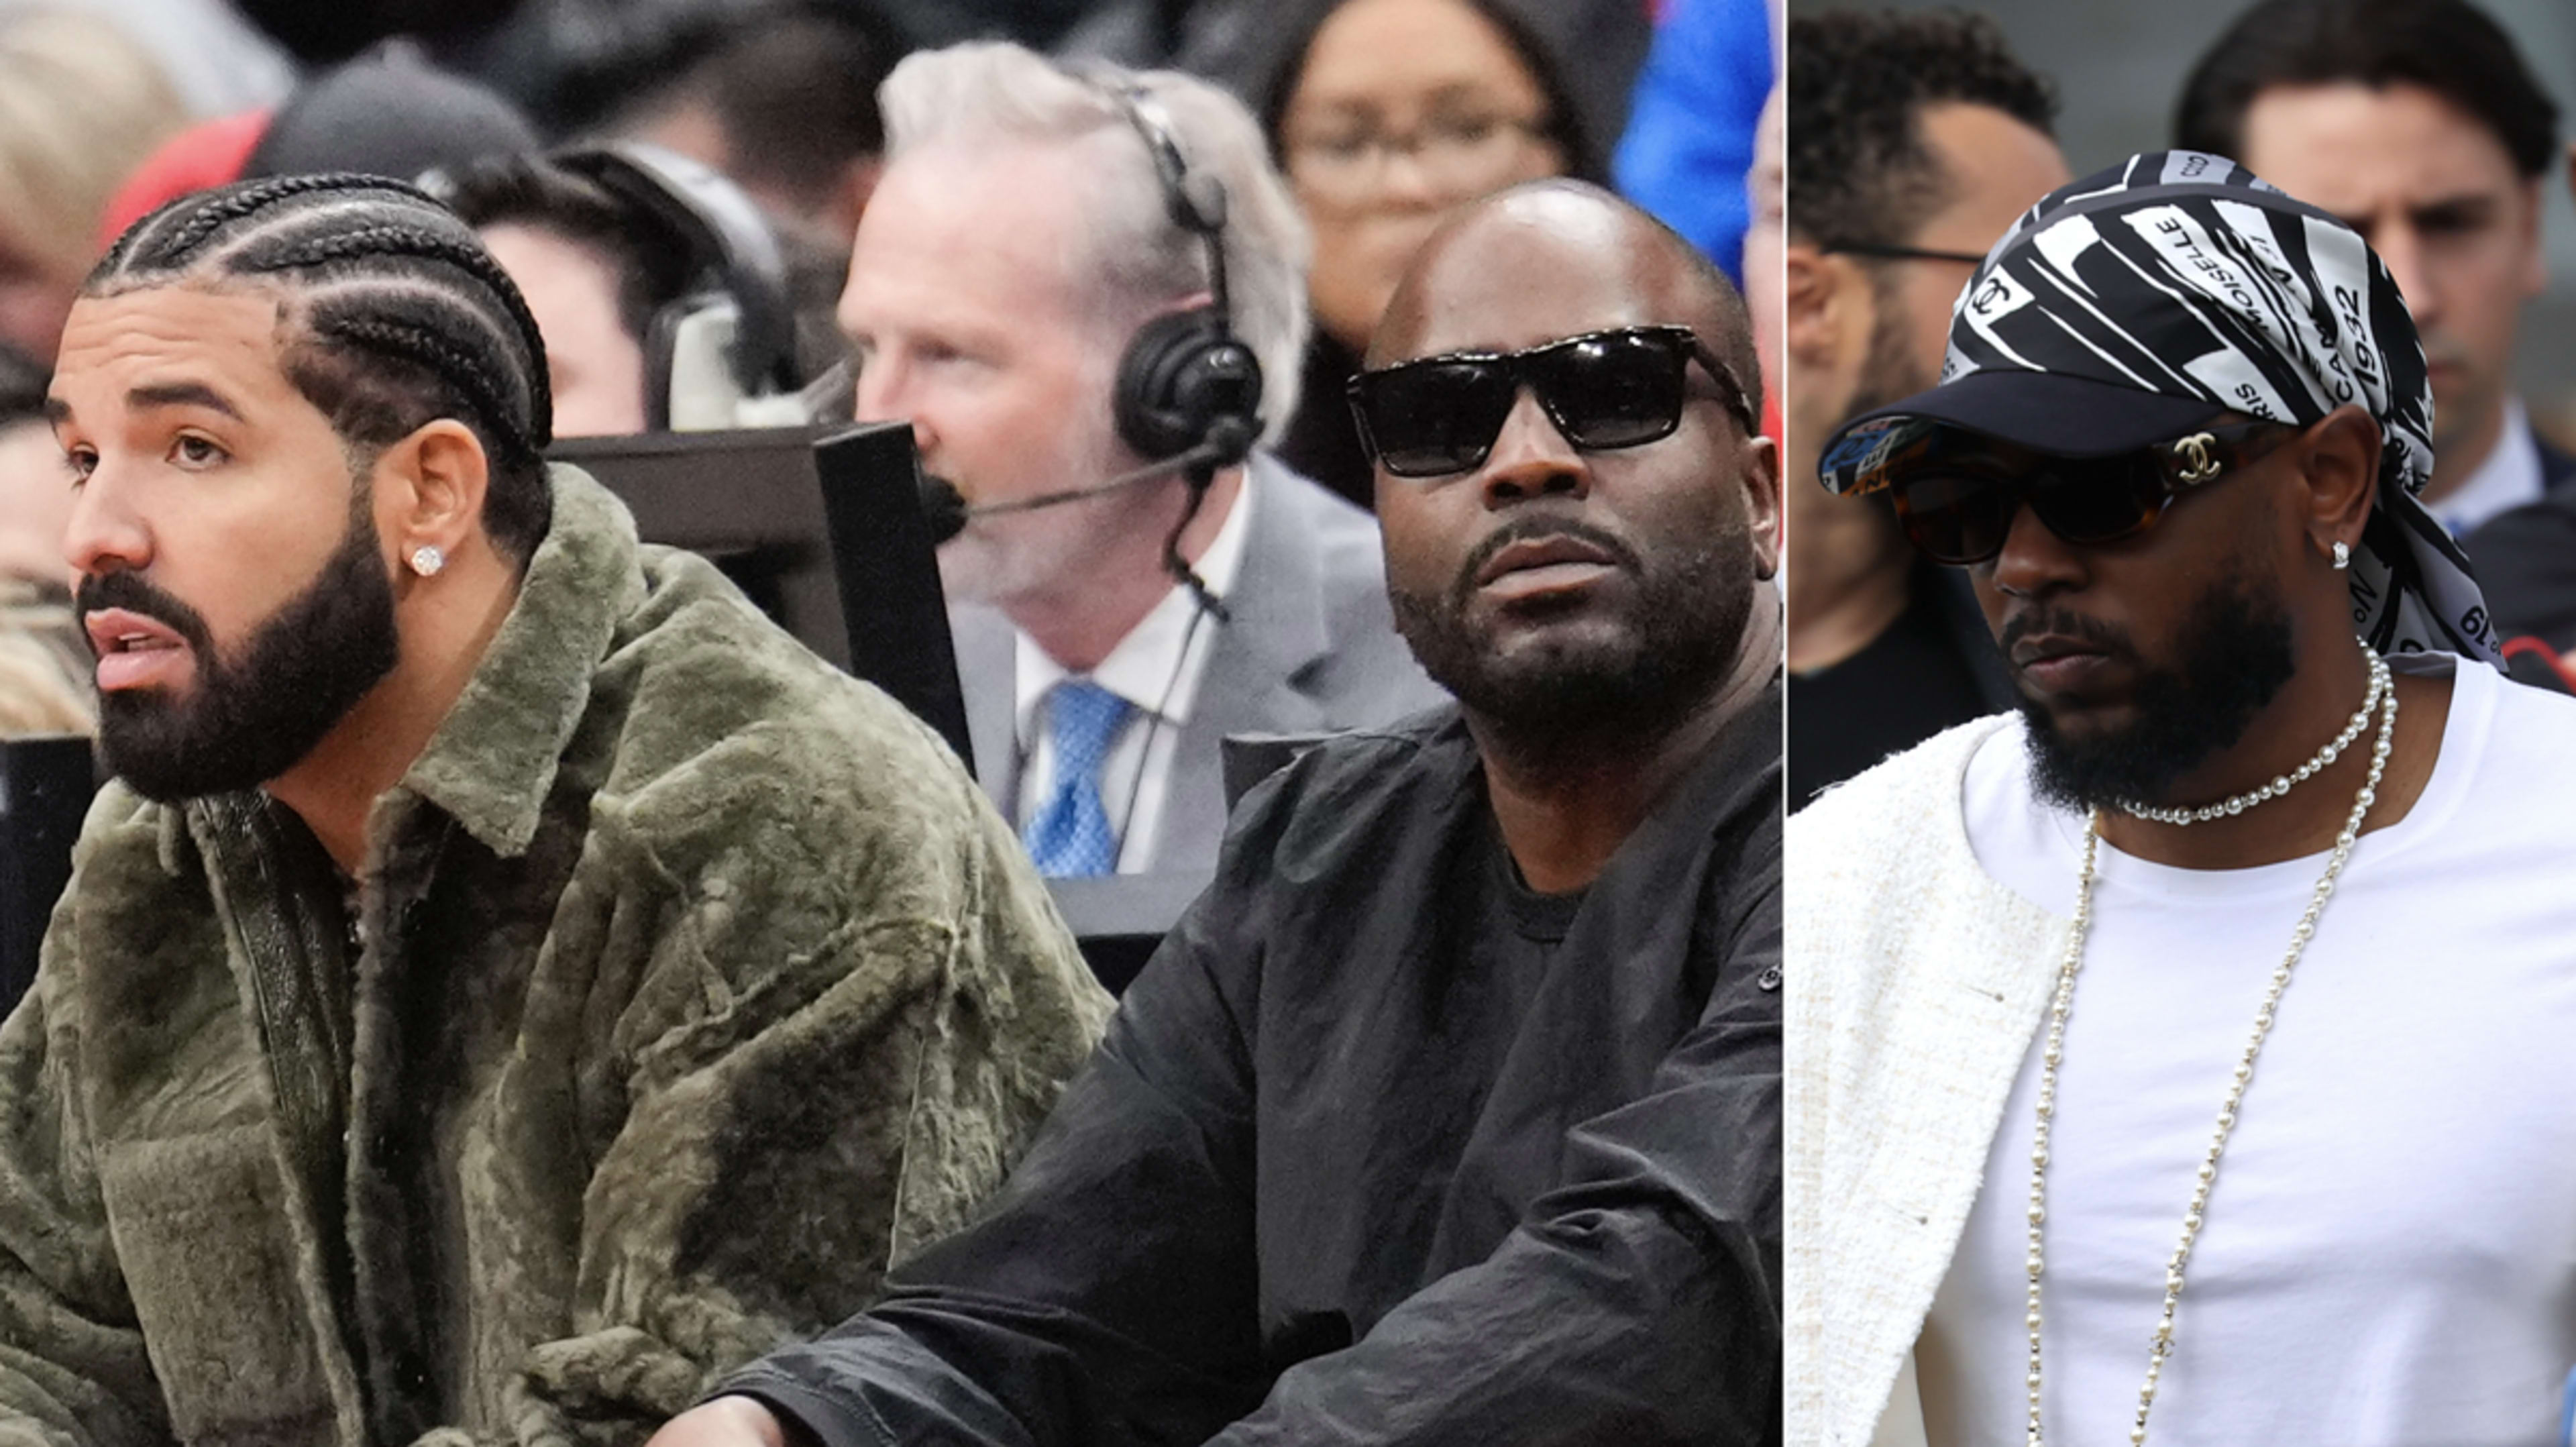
1956, 492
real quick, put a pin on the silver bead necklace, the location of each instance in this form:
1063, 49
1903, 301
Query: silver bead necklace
2325, 757
2381, 691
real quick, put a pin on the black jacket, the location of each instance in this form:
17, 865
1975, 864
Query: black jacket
1321, 1183
2525, 559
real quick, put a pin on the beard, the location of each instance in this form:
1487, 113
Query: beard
2237, 650
1659, 658
252, 717
999, 560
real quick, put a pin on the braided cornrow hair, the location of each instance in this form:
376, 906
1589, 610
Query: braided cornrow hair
400, 317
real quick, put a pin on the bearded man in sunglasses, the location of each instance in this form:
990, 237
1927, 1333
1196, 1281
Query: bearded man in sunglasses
2189, 1051
1451, 1113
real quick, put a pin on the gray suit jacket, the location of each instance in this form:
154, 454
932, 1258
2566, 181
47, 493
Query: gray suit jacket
1311, 648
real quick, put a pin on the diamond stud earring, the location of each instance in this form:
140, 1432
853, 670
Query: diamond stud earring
426, 560
2342, 555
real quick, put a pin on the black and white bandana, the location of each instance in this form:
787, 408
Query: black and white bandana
2180, 274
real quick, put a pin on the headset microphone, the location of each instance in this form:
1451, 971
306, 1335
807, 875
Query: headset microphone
947, 511
1188, 392
943, 508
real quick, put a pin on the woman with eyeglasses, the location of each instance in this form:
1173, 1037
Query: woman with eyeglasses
1386, 116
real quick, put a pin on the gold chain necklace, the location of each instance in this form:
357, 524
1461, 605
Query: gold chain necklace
2063, 1002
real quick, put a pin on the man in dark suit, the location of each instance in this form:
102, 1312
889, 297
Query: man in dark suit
1036, 287
2526, 562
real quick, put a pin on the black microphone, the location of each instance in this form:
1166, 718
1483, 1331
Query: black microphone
943, 508
947, 512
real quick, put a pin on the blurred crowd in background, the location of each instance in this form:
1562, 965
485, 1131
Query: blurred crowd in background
1383, 116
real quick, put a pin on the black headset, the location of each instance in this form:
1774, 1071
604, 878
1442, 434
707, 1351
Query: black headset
733, 255
1185, 381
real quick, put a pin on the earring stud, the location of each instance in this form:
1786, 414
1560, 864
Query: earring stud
426, 560
2342, 555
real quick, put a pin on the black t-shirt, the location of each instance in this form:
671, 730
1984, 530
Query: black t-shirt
1516, 929
1908, 684
2526, 560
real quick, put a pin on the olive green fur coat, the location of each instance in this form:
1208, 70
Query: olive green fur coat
691, 981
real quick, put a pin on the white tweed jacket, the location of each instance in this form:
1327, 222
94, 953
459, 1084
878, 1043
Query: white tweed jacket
1919, 984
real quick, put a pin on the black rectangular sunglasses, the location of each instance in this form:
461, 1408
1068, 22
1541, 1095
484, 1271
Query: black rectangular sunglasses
1623, 387
1956, 492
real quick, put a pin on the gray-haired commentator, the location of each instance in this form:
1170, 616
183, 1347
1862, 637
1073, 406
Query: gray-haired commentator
1064, 279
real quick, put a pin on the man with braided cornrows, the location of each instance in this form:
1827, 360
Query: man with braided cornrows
2184, 1057
509, 982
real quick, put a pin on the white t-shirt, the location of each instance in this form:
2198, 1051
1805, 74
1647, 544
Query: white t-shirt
2389, 1254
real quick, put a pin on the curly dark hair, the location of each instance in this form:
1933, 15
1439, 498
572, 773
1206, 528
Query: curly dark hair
1859, 173
2449, 47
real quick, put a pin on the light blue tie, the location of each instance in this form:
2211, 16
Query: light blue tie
1071, 835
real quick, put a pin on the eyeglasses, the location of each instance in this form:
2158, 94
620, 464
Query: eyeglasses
1454, 153
1956, 491
1603, 390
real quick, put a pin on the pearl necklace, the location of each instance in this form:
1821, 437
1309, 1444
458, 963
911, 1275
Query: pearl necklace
2162, 1344
2279, 786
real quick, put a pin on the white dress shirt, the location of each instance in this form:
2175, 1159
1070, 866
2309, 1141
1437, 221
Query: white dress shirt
1156, 668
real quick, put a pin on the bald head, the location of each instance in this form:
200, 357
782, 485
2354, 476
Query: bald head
1668, 506
1564, 255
